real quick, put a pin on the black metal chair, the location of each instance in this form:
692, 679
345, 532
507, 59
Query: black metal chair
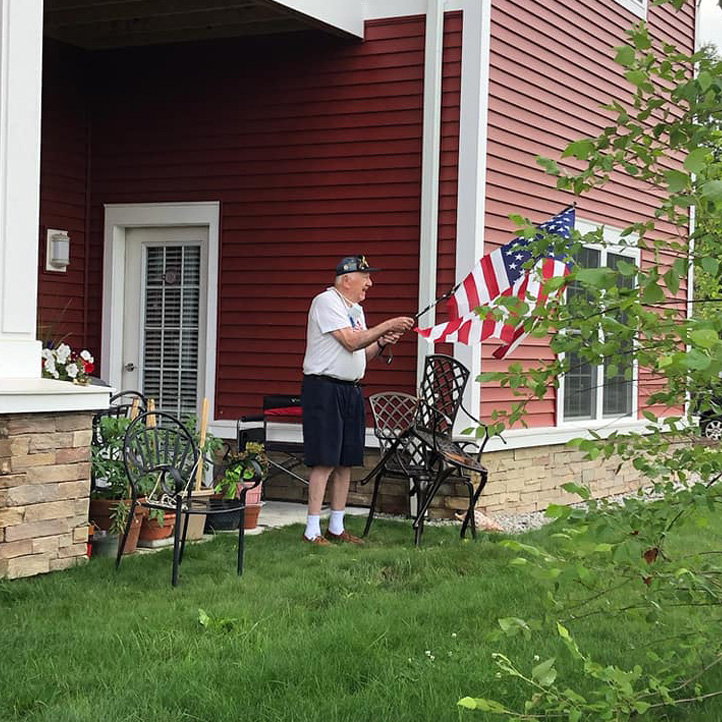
105, 438
161, 458
284, 457
415, 437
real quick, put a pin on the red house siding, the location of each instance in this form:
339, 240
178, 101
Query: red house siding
551, 69
63, 192
313, 147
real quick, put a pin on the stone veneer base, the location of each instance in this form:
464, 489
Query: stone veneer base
44, 491
520, 480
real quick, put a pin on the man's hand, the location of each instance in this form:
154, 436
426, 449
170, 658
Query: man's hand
399, 325
390, 338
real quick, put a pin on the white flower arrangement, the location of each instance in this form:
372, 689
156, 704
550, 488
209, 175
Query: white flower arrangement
64, 364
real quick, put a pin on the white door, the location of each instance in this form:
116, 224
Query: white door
164, 324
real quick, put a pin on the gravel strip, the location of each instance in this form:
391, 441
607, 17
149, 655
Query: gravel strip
521, 522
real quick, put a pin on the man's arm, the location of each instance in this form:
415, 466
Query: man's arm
355, 340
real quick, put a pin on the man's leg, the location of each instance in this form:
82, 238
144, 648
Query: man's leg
317, 481
340, 482
339, 496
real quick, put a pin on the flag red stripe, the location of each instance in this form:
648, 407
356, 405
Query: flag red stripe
492, 285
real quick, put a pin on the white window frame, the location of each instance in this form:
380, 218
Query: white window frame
614, 243
638, 7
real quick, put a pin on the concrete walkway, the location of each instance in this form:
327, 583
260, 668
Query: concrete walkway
275, 514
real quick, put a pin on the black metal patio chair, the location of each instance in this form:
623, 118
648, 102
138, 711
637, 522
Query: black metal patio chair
281, 417
161, 458
416, 440
104, 438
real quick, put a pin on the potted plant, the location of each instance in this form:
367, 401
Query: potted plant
109, 496
244, 469
62, 363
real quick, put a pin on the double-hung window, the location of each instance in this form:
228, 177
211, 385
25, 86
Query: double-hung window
587, 391
638, 7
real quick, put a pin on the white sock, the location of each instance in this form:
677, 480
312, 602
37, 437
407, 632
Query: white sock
335, 523
313, 526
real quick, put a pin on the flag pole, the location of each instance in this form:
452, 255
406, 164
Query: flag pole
419, 314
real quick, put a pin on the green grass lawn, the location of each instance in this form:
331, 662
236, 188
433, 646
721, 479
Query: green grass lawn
384, 632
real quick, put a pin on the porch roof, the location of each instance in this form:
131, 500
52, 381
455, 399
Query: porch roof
102, 24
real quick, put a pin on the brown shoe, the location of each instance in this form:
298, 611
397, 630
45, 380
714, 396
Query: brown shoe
344, 536
317, 540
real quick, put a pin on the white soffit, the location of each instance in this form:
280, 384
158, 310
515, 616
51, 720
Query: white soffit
344, 15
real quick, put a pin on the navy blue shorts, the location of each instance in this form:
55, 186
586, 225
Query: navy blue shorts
334, 422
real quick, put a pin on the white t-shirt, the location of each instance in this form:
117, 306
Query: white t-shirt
325, 356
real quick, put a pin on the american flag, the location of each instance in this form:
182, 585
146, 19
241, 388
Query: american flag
498, 274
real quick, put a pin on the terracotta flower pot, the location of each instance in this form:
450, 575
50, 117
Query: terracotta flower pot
252, 512
151, 530
101, 514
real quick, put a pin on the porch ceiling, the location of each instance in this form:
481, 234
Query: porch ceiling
101, 24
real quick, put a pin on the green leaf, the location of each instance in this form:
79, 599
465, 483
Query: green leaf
704, 337
580, 149
596, 277
671, 280
577, 489
203, 617
513, 625
636, 77
626, 268
695, 359
603, 548
710, 265
554, 284
554, 511
695, 161
483, 705
649, 416
652, 293
625, 55
550, 166
712, 190
705, 81
676, 180
544, 673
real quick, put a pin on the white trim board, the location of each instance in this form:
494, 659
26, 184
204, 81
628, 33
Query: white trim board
381, 9
120, 217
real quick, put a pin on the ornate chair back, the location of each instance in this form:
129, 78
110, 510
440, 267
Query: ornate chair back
441, 393
161, 457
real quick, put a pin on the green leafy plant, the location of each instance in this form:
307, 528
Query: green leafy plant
65, 364
108, 469
607, 559
244, 466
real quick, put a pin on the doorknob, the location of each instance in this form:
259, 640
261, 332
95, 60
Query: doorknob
130, 366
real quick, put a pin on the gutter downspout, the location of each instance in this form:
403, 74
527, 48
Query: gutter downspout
692, 219
430, 170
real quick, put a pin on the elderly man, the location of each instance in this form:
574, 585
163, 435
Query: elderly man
338, 345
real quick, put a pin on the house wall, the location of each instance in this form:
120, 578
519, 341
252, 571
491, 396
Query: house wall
551, 69
62, 305
313, 147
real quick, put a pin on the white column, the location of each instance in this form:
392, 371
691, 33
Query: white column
472, 168
21, 43
430, 169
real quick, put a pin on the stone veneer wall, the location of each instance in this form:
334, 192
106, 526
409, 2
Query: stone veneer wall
520, 480
44, 491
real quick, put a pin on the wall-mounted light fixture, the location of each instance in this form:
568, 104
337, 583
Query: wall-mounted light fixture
57, 246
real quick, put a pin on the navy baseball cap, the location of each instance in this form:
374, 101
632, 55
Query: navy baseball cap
350, 264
